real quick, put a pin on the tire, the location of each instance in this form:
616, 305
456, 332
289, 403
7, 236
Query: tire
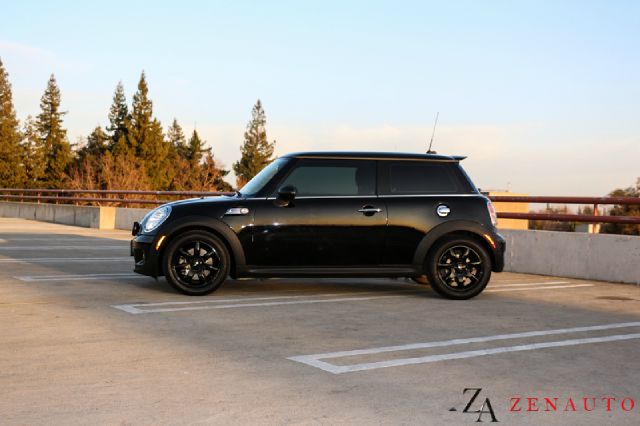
469, 272
196, 263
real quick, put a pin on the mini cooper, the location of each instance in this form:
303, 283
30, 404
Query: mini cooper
331, 214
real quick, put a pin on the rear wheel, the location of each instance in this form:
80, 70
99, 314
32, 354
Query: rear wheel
196, 263
458, 268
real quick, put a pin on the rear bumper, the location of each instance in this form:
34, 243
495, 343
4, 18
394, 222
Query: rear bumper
498, 252
145, 258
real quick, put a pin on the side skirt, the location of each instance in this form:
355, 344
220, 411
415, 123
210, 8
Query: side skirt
319, 271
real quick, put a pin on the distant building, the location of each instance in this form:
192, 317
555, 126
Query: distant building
511, 208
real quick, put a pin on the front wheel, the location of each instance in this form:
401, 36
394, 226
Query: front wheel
458, 268
196, 263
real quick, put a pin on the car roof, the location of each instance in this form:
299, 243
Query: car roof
375, 155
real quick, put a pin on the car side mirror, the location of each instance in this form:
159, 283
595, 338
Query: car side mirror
286, 195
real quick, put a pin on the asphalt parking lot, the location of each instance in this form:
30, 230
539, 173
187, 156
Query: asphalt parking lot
84, 340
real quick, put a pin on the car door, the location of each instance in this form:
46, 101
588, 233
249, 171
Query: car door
335, 220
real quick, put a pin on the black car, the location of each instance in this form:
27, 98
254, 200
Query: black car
331, 214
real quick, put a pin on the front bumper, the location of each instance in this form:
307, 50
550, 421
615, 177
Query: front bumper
144, 255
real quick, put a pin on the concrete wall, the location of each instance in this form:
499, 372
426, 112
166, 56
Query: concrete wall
126, 216
85, 216
603, 257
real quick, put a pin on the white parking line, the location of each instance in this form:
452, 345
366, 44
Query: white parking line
217, 303
492, 283
82, 277
66, 259
139, 308
74, 247
551, 287
316, 359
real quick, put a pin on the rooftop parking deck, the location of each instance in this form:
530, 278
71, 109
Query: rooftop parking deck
84, 340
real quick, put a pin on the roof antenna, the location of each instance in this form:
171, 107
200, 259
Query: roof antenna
433, 133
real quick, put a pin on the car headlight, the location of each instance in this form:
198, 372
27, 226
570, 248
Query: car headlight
155, 218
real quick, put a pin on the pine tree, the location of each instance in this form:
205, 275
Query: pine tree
97, 143
156, 156
195, 149
256, 150
119, 120
213, 175
12, 173
196, 169
141, 118
34, 156
175, 137
147, 140
53, 136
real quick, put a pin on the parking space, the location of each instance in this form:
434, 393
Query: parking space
86, 340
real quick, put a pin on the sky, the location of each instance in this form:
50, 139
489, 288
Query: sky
542, 96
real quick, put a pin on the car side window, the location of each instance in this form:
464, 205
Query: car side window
333, 178
413, 178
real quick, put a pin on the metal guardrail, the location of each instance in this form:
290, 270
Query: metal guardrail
558, 217
595, 201
67, 195
9, 194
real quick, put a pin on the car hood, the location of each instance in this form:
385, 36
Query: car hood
204, 200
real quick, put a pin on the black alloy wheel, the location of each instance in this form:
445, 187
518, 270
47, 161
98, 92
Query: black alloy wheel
459, 268
196, 263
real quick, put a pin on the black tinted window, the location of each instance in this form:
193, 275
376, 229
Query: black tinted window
406, 178
333, 177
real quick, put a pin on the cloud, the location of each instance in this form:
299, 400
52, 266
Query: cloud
25, 57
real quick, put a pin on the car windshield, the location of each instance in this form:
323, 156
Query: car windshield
259, 181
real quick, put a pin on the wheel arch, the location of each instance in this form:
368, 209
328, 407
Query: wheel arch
455, 228
212, 226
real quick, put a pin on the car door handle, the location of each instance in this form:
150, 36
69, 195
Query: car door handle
369, 210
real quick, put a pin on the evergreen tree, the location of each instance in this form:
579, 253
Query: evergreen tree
156, 157
12, 173
256, 150
119, 119
196, 171
97, 144
147, 140
176, 138
195, 149
34, 156
53, 136
86, 171
141, 118
213, 175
